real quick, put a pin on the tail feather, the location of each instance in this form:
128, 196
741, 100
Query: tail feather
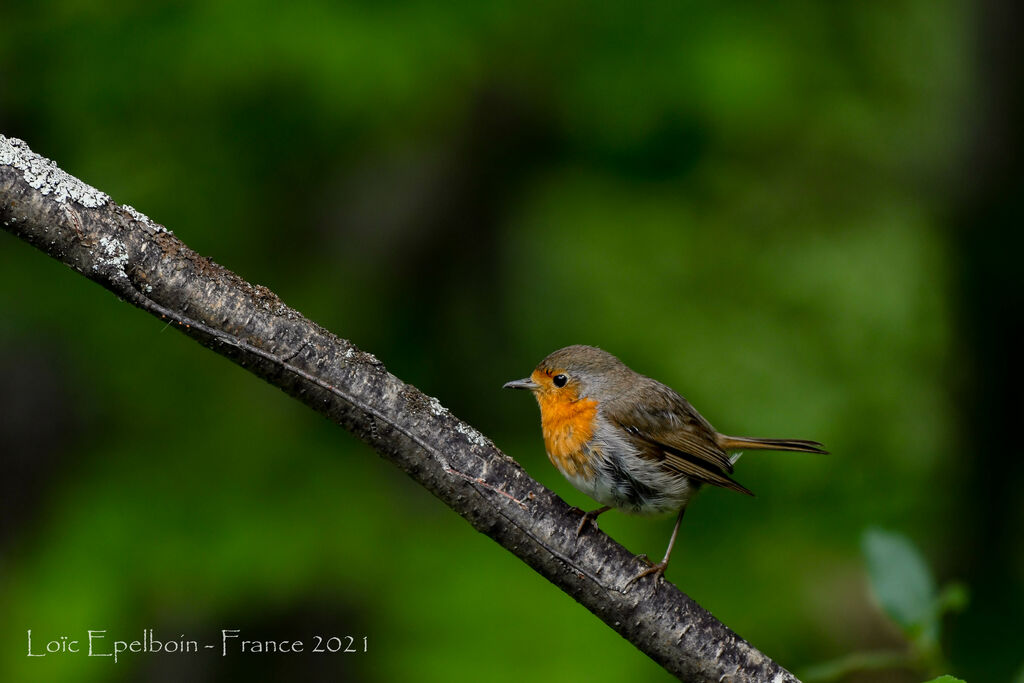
729, 443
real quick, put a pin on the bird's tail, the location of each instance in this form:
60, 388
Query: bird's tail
730, 443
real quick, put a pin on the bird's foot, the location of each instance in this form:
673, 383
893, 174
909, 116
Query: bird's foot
657, 569
590, 517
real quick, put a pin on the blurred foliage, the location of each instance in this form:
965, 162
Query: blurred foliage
748, 201
905, 589
903, 584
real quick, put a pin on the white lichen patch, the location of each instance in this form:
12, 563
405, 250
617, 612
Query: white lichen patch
136, 214
143, 218
475, 437
436, 409
44, 175
113, 255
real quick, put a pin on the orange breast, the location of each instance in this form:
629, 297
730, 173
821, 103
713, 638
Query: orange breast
567, 423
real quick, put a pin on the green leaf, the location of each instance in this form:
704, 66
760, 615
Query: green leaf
945, 679
901, 581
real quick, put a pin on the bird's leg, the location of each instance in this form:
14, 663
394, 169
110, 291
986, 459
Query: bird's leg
659, 568
590, 517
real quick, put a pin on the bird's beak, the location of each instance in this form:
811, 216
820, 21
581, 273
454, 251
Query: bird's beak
526, 383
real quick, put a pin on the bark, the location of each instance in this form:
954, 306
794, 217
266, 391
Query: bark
146, 265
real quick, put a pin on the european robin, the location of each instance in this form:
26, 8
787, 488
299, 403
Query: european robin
630, 442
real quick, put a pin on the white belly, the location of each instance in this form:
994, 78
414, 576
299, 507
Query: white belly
632, 484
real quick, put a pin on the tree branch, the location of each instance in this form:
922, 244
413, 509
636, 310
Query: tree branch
146, 265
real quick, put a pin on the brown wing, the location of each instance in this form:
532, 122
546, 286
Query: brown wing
666, 428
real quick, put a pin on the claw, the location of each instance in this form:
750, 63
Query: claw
587, 518
657, 569
590, 517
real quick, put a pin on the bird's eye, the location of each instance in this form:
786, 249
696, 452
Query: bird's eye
560, 380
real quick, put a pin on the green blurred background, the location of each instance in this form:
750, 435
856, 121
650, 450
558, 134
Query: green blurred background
803, 216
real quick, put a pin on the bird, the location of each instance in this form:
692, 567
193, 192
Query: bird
630, 442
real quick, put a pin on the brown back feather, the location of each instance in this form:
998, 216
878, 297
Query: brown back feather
665, 428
